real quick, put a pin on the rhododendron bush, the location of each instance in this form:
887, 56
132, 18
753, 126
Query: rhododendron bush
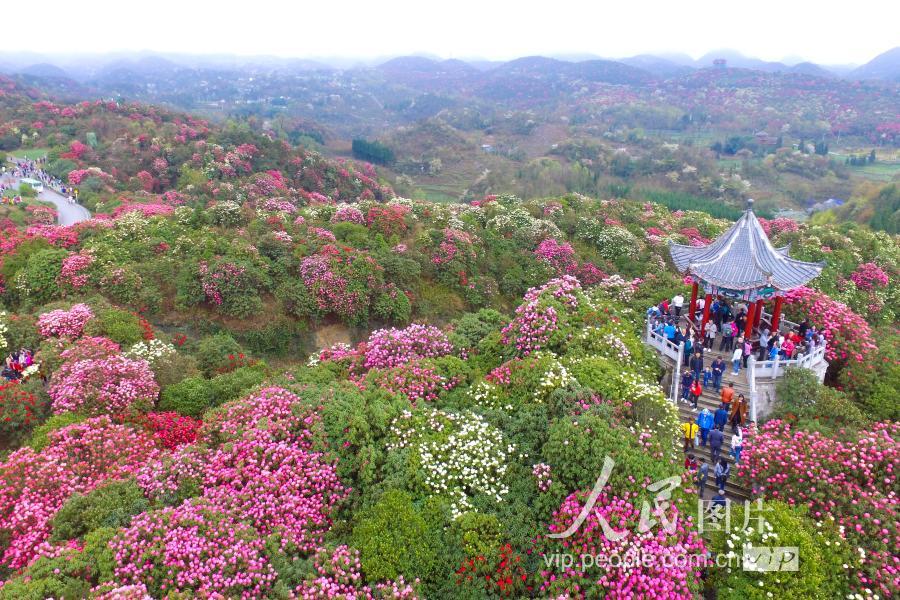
77, 459
65, 323
853, 480
102, 385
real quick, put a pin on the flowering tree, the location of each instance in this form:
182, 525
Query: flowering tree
847, 334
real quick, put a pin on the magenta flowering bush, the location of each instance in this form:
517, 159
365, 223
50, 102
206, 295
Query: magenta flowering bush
193, 548
416, 380
337, 574
653, 574
869, 276
73, 270
102, 385
272, 413
847, 334
78, 458
394, 347
348, 214
852, 480
279, 487
545, 311
65, 323
560, 256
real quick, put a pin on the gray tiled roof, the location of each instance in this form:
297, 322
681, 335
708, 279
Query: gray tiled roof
743, 258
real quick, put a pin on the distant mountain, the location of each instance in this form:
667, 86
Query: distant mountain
884, 66
44, 70
808, 68
737, 60
658, 66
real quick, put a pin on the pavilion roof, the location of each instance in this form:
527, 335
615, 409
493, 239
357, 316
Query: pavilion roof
743, 258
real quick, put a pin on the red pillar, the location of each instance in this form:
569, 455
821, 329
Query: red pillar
693, 308
751, 315
759, 310
706, 306
776, 314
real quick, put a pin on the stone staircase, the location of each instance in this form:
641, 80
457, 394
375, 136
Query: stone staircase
710, 400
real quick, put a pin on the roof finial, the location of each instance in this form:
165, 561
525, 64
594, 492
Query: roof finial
749, 203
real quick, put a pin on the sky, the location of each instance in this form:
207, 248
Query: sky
823, 31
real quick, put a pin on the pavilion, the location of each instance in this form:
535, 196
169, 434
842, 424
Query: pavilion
742, 265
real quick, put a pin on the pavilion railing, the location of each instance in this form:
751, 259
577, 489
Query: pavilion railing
667, 348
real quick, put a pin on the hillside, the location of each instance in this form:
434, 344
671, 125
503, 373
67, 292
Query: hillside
885, 66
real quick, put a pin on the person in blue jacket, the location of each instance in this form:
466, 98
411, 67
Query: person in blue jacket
720, 418
686, 380
670, 331
705, 422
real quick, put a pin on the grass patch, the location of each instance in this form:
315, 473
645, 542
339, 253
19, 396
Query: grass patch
29, 154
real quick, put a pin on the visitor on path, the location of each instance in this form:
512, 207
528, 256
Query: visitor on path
736, 360
670, 331
716, 437
738, 415
705, 422
723, 470
720, 417
696, 364
740, 320
737, 444
690, 432
702, 474
687, 379
775, 350
719, 499
709, 331
688, 345
698, 312
678, 303
707, 376
763, 344
748, 350
727, 395
696, 392
718, 369
727, 342
690, 462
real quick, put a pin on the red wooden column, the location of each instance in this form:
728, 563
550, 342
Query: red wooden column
776, 314
751, 316
693, 308
706, 306
759, 310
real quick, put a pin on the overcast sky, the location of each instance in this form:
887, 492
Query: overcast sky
847, 32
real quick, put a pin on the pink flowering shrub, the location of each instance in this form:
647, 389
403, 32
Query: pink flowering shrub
389, 219
65, 323
342, 282
272, 413
171, 429
560, 256
393, 347
779, 225
653, 576
73, 270
62, 237
193, 548
338, 574
846, 333
416, 380
348, 214
541, 315
869, 276
454, 245
853, 480
78, 458
102, 385
276, 485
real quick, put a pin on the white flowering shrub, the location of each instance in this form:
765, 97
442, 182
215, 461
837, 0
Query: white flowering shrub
3, 330
153, 351
457, 455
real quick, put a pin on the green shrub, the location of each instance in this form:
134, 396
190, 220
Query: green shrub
111, 505
812, 406
296, 299
471, 328
194, 395
121, 326
824, 559
394, 538
37, 280
190, 396
217, 352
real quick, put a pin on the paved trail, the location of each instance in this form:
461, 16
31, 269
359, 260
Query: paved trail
68, 214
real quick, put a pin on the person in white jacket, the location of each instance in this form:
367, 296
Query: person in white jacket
736, 358
737, 444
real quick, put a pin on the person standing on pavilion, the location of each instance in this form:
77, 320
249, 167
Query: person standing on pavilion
678, 303
748, 350
696, 364
709, 332
763, 343
727, 336
718, 369
736, 358
716, 437
720, 418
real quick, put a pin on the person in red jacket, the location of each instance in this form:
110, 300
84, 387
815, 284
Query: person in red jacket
696, 392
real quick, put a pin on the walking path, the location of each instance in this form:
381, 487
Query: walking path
68, 213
